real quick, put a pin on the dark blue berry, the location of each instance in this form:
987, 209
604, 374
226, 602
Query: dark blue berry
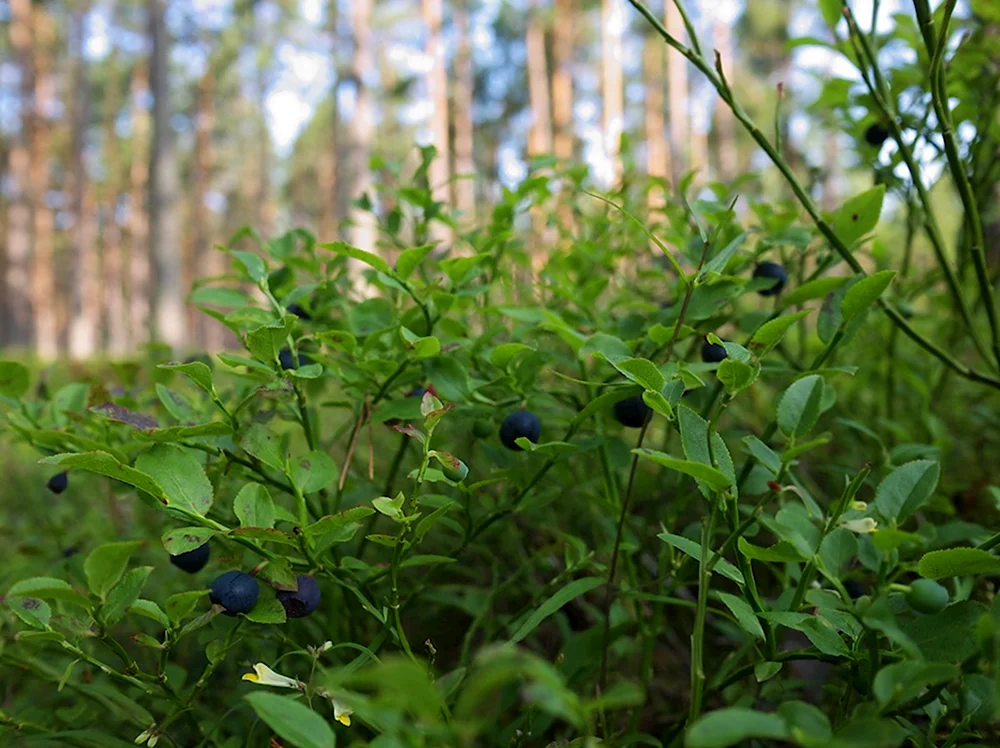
772, 271
302, 601
633, 412
58, 482
712, 353
192, 561
854, 588
70, 552
517, 424
416, 392
235, 591
287, 362
876, 134
299, 312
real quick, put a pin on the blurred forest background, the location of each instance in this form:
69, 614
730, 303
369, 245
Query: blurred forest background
135, 134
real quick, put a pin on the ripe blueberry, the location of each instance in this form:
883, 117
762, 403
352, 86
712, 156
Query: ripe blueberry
58, 482
854, 588
876, 134
287, 362
236, 591
302, 601
633, 412
517, 424
927, 596
712, 353
774, 271
416, 392
192, 561
299, 312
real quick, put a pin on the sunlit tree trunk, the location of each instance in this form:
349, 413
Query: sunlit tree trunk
15, 304
612, 28
43, 282
362, 129
85, 286
164, 227
562, 78
204, 261
725, 124
657, 152
540, 100
329, 157
138, 226
265, 213
113, 281
437, 89
465, 159
677, 94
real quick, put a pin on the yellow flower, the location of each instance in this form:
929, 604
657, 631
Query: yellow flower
341, 712
264, 676
862, 526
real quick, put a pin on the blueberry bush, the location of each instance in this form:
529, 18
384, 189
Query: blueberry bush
717, 472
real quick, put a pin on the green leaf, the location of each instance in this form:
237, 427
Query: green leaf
814, 289
105, 565
799, 407
181, 605
502, 355
104, 464
184, 539
292, 720
612, 349
34, 612
359, 254
948, 636
717, 480
807, 724
693, 549
267, 610
781, 552
864, 293
958, 562
732, 726
902, 682
253, 506
48, 588
181, 433
570, 592
181, 476
743, 613
770, 333
253, 264
764, 454
859, 215
837, 550
410, 259
149, 609
831, 10
261, 442
906, 489
718, 263
123, 594
14, 379
736, 376
641, 371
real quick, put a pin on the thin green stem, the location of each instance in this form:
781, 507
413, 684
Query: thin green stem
698, 635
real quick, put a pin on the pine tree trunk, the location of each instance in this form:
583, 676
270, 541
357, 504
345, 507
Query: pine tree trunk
362, 131
43, 281
113, 275
562, 78
164, 226
329, 159
15, 304
657, 152
85, 286
725, 124
540, 136
205, 261
677, 95
612, 27
265, 213
465, 157
437, 89
138, 219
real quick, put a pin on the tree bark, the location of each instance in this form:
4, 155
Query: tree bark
15, 306
725, 124
439, 173
539, 97
329, 159
612, 28
657, 151
465, 158
362, 131
677, 94
113, 275
164, 227
43, 281
205, 261
85, 287
138, 218
562, 79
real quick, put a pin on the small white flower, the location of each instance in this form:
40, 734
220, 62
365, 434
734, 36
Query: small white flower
861, 526
859, 505
341, 712
264, 676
